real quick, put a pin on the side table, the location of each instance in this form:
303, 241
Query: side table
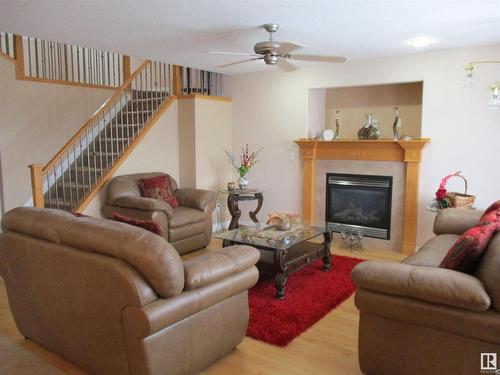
237, 195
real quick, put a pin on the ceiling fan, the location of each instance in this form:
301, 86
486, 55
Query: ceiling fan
278, 53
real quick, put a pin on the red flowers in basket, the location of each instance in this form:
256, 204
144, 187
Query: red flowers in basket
442, 194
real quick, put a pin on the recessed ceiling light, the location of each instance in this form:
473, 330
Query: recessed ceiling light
420, 41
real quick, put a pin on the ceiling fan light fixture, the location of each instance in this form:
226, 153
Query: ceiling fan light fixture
271, 59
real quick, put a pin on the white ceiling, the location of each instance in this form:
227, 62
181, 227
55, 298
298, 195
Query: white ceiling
178, 31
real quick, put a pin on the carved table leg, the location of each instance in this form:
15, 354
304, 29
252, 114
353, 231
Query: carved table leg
282, 275
253, 214
327, 258
280, 282
234, 210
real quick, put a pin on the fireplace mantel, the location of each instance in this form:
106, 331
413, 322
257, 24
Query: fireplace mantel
408, 152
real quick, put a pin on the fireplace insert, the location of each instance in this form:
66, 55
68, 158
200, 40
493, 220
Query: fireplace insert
360, 203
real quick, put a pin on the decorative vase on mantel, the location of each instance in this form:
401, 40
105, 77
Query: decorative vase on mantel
243, 182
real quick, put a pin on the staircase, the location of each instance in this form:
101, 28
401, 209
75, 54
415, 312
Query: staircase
83, 164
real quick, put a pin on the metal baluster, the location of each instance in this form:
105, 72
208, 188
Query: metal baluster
75, 170
94, 156
84, 66
87, 143
106, 125
55, 186
61, 166
68, 171
120, 81
111, 143
66, 65
82, 168
109, 70
49, 198
122, 108
150, 87
117, 137
100, 144
29, 55
36, 57
72, 63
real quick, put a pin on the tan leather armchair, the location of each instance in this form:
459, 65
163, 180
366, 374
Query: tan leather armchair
116, 299
417, 318
187, 228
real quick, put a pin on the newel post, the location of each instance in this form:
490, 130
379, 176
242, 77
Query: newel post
19, 54
37, 184
176, 80
126, 67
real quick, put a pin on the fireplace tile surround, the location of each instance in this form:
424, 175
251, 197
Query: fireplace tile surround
319, 157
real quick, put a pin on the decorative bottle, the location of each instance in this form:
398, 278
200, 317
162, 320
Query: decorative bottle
397, 126
337, 126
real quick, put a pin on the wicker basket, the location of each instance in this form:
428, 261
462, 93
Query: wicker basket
459, 200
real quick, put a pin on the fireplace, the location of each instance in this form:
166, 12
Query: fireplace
360, 203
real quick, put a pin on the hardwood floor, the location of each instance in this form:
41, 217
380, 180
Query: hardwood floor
329, 347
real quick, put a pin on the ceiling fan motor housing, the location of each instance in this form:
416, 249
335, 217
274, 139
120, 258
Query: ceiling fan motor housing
263, 48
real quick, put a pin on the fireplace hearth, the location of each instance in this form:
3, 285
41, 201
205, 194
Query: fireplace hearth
360, 203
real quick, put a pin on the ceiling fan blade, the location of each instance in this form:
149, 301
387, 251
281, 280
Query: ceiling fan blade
319, 58
286, 47
286, 65
239, 62
232, 53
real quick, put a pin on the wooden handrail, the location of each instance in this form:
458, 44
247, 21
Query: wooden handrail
91, 120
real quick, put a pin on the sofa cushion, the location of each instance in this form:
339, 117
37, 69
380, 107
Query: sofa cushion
455, 220
183, 216
467, 250
433, 251
158, 187
488, 270
149, 225
151, 255
430, 284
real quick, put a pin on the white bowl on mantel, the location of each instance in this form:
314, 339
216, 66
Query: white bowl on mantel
328, 135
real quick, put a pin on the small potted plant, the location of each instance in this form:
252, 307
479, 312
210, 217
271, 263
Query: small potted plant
246, 162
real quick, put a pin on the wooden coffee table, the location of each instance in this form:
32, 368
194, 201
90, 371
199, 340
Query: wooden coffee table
283, 253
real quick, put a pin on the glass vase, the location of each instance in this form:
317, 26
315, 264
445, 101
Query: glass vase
243, 182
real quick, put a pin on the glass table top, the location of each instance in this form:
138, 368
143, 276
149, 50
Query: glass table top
242, 192
265, 236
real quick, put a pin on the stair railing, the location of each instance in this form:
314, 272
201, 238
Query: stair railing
69, 177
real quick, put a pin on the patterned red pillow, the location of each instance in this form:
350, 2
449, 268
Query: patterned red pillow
467, 250
158, 187
149, 225
493, 207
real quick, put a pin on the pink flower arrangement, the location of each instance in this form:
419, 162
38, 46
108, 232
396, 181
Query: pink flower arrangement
247, 160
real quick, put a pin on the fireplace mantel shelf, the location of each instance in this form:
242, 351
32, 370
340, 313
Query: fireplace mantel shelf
355, 149
408, 152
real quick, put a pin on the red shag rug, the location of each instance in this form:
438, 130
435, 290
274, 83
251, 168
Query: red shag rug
310, 294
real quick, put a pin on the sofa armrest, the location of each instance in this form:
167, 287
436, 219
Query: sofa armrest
141, 203
430, 284
213, 266
195, 198
456, 220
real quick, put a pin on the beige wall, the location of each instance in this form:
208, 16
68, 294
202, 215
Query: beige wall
270, 110
36, 120
205, 130
157, 152
187, 149
379, 100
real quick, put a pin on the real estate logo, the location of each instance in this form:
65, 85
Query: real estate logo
489, 363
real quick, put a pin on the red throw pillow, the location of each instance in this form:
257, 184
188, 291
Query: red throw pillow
467, 250
493, 207
149, 225
158, 187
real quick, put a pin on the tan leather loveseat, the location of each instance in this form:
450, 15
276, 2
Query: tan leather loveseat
116, 299
416, 318
187, 228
